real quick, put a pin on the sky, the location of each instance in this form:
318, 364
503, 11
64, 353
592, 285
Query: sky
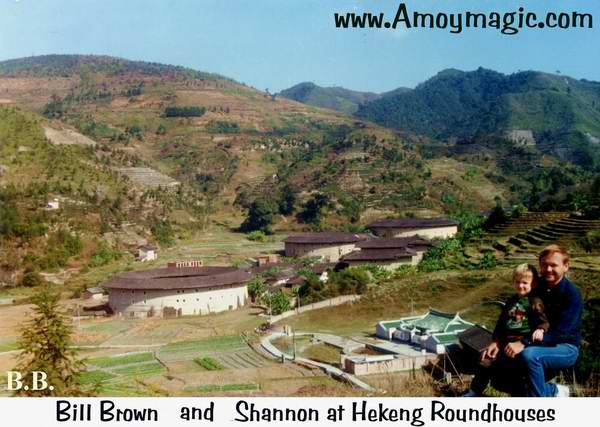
275, 44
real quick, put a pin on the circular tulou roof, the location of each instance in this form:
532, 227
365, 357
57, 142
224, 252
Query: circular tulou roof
178, 278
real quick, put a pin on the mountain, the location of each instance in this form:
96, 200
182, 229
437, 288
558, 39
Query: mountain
139, 151
559, 114
335, 98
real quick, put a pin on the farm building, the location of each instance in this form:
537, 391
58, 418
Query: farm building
389, 259
170, 292
390, 253
93, 293
383, 364
425, 227
267, 259
329, 246
147, 253
433, 331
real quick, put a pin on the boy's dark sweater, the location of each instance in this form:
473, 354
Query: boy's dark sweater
563, 307
506, 331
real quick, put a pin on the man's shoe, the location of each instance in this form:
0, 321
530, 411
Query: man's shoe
562, 391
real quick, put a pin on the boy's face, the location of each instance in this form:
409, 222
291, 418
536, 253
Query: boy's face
523, 284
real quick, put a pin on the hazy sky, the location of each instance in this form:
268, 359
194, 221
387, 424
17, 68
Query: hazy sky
277, 43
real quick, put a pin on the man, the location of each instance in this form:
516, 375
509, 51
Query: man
559, 347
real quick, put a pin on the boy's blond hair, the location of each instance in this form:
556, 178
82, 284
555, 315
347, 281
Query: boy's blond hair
522, 269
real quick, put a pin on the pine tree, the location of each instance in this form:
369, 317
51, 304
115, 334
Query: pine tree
45, 345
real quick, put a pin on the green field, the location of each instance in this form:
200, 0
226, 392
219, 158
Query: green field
146, 369
93, 377
224, 387
8, 346
108, 362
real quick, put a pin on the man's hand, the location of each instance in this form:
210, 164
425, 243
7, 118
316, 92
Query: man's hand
491, 351
513, 348
538, 335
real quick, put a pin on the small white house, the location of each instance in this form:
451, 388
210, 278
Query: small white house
147, 253
93, 293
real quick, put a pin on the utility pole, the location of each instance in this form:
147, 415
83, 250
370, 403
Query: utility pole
294, 341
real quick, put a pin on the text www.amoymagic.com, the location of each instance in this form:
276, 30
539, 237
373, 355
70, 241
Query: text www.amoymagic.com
507, 23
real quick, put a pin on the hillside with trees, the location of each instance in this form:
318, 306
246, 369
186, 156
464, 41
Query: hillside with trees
561, 113
337, 98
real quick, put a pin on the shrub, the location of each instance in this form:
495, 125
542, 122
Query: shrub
194, 111
256, 236
276, 301
352, 280
103, 255
436, 257
590, 241
218, 126
162, 231
31, 279
488, 261
208, 363
256, 287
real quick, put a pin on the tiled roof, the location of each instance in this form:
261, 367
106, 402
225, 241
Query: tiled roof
178, 278
379, 254
413, 223
396, 242
326, 237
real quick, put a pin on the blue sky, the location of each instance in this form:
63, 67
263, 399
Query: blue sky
277, 43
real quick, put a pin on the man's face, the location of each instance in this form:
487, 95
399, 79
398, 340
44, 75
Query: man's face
553, 268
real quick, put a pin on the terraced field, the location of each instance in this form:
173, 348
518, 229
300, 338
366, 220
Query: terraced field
231, 352
522, 238
147, 177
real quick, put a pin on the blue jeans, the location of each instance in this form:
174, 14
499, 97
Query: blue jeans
538, 358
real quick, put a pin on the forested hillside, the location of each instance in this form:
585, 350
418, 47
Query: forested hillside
558, 114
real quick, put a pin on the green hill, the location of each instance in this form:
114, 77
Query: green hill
335, 98
561, 113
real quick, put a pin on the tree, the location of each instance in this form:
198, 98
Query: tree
289, 194
162, 231
256, 288
497, 216
276, 301
314, 209
45, 345
261, 215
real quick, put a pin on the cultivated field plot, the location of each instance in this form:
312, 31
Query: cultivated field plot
122, 374
66, 137
230, 352
147, 177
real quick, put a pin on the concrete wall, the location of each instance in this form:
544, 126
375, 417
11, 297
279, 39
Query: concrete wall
376, 366
184, 302
429, 233
387, 265
384, 333
330, 252
342, 299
